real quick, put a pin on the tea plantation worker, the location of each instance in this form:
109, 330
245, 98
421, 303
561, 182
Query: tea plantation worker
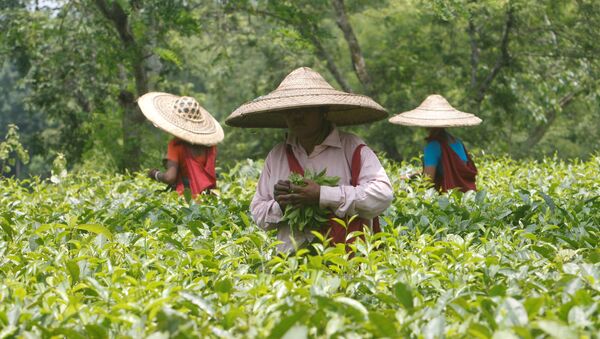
312, 110
446, 160
191, 154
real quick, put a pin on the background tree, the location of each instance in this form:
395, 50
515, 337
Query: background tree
73, 69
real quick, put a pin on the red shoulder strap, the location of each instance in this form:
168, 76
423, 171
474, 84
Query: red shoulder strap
355, 165
292, 161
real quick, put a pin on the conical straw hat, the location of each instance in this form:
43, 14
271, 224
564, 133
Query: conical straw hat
306, 88
435, 111
182, 117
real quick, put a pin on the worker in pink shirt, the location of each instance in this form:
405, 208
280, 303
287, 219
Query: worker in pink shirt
311, 110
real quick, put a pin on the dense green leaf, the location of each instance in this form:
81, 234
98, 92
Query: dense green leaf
95, 228
404, 294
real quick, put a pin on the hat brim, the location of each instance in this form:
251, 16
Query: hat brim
209, 135
435, 118
344, 109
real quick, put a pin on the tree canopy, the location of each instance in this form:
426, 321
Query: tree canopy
72, 70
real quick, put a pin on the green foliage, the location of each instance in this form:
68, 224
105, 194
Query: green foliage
308, 217
11, 150
62, 86
100, 255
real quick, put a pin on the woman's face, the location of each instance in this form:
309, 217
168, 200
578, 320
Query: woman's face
433, 131
305, 122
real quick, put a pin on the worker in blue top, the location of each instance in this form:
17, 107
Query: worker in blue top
446, 160
432, 153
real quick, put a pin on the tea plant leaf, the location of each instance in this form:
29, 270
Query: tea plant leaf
434, 328
360, 308
404, 294
245, 219
73, 269
95, 228
198, 301
476, 265
549, 201
46, 227
556, 329
296, 332
284, 325
505, 334
8, 230
383, 325
96, 331
511, 313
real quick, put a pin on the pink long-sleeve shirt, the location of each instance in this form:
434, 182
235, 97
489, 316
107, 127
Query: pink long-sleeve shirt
368, 199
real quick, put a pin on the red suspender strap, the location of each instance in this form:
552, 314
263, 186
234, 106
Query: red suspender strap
292, 161
355, 165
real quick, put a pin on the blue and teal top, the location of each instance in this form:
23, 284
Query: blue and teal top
432, 153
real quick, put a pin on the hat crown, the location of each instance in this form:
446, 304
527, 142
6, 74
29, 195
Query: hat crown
188, 108
303, 78
435, 102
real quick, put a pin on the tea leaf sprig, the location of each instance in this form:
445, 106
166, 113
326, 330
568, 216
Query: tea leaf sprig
301, 218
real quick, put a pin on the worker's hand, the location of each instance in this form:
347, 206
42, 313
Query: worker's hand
410, 176
302, 195
282, 187
152, 173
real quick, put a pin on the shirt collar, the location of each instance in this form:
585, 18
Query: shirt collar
332, 140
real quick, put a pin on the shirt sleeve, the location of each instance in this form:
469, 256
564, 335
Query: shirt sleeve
369, 198
432, 153
172, 152
264, 209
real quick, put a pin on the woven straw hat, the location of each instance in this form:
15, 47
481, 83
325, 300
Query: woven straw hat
435, 111
306, 88
182, 117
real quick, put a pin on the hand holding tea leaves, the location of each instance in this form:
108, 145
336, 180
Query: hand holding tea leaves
301, 204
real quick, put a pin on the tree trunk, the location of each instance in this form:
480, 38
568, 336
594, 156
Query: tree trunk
472, 30
480, 88
132, 122
358, 61
310, 35
132, 117
331, 65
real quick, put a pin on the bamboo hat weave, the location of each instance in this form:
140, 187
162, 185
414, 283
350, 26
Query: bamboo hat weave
182, 117
435, 111
304, 87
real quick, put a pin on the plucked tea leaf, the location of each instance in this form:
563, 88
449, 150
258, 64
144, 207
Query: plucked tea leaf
313, 217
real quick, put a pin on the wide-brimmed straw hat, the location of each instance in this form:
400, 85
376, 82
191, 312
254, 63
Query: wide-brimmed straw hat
306, 88
182, 117
435, 111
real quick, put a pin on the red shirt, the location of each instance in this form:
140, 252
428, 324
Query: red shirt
199, 170
176, 153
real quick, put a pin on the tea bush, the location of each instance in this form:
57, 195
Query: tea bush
89, 255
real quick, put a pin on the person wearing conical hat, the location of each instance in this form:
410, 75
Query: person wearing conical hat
446, 160
191, 154
312, 110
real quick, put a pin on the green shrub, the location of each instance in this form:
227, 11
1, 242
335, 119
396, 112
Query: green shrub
97, 255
